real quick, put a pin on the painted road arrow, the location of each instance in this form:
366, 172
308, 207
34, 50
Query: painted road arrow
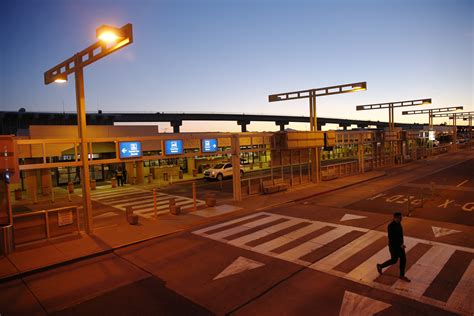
441, 231
354, 305
348, 217
239, 265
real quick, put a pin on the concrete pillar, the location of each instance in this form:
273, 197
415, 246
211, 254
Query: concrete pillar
320, 126
243, 125
282, 125
139, 172
46, 182
130, 171
31, 184
176, 125
235, 150
191, 165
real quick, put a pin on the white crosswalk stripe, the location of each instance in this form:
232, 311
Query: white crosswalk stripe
142, 201
295, 246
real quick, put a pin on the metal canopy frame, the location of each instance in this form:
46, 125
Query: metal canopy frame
431, 111
312, 94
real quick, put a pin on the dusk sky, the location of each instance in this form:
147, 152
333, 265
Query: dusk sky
228, 56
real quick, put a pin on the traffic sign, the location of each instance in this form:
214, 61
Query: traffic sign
130, 149
209, 145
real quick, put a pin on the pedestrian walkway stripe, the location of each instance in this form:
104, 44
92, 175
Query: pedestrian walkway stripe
345, 261
142, 201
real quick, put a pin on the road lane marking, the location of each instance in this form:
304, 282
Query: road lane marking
460, 184
423, 272
462, 297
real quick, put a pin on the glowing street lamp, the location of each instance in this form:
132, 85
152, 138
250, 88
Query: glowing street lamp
431, 112
312, 94
110, 40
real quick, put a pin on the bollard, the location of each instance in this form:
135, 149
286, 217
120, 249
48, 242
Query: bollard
194, 196
68, 196
52, 195
154, 204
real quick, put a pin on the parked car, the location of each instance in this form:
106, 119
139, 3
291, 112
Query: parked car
221, 171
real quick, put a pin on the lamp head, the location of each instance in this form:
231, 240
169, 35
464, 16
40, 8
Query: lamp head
61, 78
360, 87
109, 34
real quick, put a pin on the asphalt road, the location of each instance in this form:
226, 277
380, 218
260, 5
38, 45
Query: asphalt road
313, 257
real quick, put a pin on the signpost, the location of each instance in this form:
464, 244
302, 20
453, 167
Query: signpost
130, 150
173, 147
209, 145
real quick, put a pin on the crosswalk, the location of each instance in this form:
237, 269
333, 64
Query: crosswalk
442, 275
142, 201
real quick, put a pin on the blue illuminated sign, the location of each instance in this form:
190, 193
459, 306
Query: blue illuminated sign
173, 147
209, 145
130, 149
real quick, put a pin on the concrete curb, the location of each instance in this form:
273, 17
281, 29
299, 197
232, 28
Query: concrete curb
321, 193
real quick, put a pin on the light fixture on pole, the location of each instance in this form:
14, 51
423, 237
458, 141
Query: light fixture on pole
430, 112
312, 94
391, 115
110, 40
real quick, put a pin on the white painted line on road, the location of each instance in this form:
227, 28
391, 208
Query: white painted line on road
241, 228
424, 271
462, 297
264, 232
209, 228
239, 265
349, 217
283, 240
441, 231
344, 253
357, 305
366, 272
460, 184
313, 244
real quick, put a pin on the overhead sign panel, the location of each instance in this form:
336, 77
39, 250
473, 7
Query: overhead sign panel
130, 149
209, 145
173, 147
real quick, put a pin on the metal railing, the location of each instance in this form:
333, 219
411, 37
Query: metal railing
26, 222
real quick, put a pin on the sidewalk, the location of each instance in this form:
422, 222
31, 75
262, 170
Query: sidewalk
114, 235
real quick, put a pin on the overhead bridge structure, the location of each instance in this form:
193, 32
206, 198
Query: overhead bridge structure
12, 121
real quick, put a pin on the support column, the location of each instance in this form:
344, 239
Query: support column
139, 172
235, 150
176, 125
360, 154
82, 126
46, 183
243, 125
344, 126
31, 185
282, 125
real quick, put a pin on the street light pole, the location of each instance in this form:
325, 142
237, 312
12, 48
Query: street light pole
82, 131
312, 94
110, 40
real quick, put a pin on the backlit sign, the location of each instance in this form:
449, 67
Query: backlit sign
173, 147
130, 149
209, 145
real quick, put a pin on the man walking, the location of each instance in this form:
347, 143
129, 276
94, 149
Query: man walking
396, 246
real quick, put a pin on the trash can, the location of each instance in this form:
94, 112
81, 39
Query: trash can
150, 178
180, 174
7, 244
113, 182
93, 185
195, 173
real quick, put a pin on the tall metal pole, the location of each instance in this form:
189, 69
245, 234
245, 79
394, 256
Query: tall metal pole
82, 129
